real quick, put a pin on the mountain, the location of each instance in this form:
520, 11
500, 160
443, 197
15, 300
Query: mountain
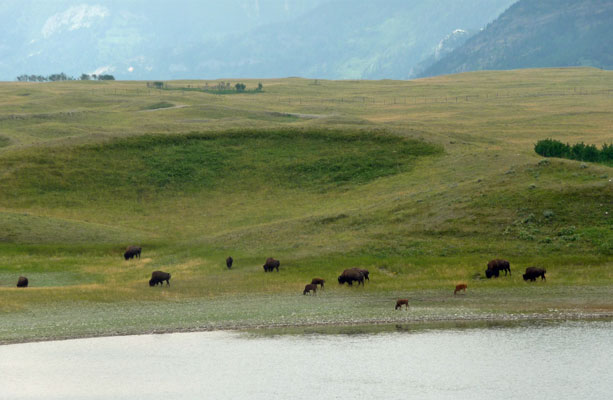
538, 33
126, 38
139, 39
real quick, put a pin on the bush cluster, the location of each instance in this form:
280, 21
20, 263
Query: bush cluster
578, 151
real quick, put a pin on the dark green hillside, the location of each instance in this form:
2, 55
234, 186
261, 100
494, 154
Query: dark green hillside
155, 167
533, 34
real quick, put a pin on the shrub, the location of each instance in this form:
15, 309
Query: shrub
578, 151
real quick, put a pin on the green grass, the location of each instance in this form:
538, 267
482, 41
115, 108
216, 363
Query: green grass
396, 177
157, 106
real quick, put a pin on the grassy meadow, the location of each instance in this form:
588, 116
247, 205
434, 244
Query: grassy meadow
421, 182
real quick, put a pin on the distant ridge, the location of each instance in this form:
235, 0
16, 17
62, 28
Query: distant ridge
210, 39
535, 34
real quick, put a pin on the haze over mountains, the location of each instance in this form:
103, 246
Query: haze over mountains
138, 39
333, 39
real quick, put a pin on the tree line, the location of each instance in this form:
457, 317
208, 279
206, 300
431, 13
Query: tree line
577, 151
63, 77
219, 88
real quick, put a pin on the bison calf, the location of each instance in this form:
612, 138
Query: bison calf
534, 272
461, 286
22, 281
310, 288
159, 277
318, 281
402, 302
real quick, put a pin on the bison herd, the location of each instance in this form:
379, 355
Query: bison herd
348, 276
495, 266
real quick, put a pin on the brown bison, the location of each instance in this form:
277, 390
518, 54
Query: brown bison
318, 281
351, 275
461, 286
495, 266
534, 272
229, 262
132, 252
310, 288
22, 281
402, 302
159, 277
364, 272
271, 264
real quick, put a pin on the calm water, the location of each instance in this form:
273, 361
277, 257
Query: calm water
565, 361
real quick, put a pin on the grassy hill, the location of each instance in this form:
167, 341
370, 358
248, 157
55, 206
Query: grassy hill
422, 182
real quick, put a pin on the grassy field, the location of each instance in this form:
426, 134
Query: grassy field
421, 182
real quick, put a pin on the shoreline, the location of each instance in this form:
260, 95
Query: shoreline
336, 327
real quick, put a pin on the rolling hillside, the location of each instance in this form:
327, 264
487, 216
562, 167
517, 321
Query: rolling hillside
421, 182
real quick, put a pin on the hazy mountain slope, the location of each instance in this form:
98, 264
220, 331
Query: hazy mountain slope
113, 35
544, 33
235, 38
343, 39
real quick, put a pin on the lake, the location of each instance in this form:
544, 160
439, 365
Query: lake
567, 360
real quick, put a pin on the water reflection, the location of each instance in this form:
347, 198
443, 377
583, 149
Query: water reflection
563, 361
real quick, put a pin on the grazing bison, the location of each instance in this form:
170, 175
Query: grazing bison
229, 262
495, 266
318, 281
490, 272
22, 281
402, 302
364, 272
310, 287
132, 252
461, 286
159, 277
271, 264
350, 275
534, 272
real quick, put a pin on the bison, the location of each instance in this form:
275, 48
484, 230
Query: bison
534, 272
229, 262
461, 286
495, 266
364, 272
22, 281
350, 275
490, 272
318, 281
310, 287
132, 252
402, 302
271, 264
159, 277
